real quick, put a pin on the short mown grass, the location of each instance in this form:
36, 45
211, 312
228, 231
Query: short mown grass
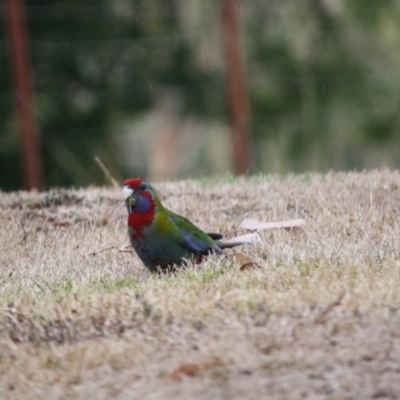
80, 317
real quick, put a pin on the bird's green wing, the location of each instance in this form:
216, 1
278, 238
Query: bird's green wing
192, 237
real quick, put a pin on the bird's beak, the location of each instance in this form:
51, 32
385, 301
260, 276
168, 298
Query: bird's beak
130, 200
127, 192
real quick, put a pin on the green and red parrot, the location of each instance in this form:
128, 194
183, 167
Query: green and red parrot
162, 239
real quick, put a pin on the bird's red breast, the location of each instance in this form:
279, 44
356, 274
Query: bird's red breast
140, 220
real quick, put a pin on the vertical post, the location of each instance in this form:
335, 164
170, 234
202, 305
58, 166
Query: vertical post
237, 89
19, 61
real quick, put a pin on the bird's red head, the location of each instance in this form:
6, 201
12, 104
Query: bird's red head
139, 196
134, 183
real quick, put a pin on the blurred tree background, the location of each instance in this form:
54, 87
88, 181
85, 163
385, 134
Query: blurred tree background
142, 84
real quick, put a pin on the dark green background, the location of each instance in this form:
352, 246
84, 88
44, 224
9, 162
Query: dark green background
323, 80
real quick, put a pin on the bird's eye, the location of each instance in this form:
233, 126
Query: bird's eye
142, 186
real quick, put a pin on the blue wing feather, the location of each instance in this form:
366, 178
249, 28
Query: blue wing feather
193, 243
193, 238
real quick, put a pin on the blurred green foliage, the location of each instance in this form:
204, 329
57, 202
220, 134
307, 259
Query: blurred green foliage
330, 94
322, 77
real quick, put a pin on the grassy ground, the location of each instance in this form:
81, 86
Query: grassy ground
81, 318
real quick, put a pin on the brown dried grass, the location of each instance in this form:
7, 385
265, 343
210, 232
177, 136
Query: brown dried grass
81, 318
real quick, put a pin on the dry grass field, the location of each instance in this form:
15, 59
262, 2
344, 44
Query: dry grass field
81, 318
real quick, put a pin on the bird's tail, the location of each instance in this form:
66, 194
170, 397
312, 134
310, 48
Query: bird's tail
250, 238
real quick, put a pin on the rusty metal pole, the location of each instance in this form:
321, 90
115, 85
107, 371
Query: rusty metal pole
238, 99
20, 66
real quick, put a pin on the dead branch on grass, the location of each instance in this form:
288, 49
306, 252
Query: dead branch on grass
94, 253
192, 370
330, 307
